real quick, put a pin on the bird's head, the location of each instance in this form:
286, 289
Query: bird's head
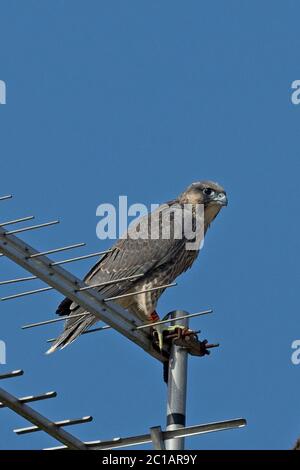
208, 193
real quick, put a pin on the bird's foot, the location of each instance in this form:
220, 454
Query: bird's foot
163, 331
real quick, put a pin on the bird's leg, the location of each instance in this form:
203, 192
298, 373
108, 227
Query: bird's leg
160, 329
154, 317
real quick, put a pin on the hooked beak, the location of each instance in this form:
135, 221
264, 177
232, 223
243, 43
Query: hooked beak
221, 199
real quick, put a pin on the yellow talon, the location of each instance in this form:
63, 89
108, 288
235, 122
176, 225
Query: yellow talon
160, 329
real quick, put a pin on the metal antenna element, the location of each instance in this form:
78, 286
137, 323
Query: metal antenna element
152, 289
33, 227
30, 398
183, 317
10, 375
108, 283
17, 221
53, 320
24, 294
79, 258
20, 279
57, 250
59, 424
141, 327
92, 330
43, 253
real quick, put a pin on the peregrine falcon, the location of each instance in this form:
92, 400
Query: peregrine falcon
157, 260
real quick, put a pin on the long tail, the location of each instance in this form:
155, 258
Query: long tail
73, 329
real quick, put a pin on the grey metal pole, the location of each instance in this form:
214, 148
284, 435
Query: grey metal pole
177, 384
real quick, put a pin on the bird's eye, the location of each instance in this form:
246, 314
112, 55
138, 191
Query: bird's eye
208, 191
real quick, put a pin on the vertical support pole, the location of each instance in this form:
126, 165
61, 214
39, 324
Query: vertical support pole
177, 384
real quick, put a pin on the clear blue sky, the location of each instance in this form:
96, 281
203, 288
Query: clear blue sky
142, 98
